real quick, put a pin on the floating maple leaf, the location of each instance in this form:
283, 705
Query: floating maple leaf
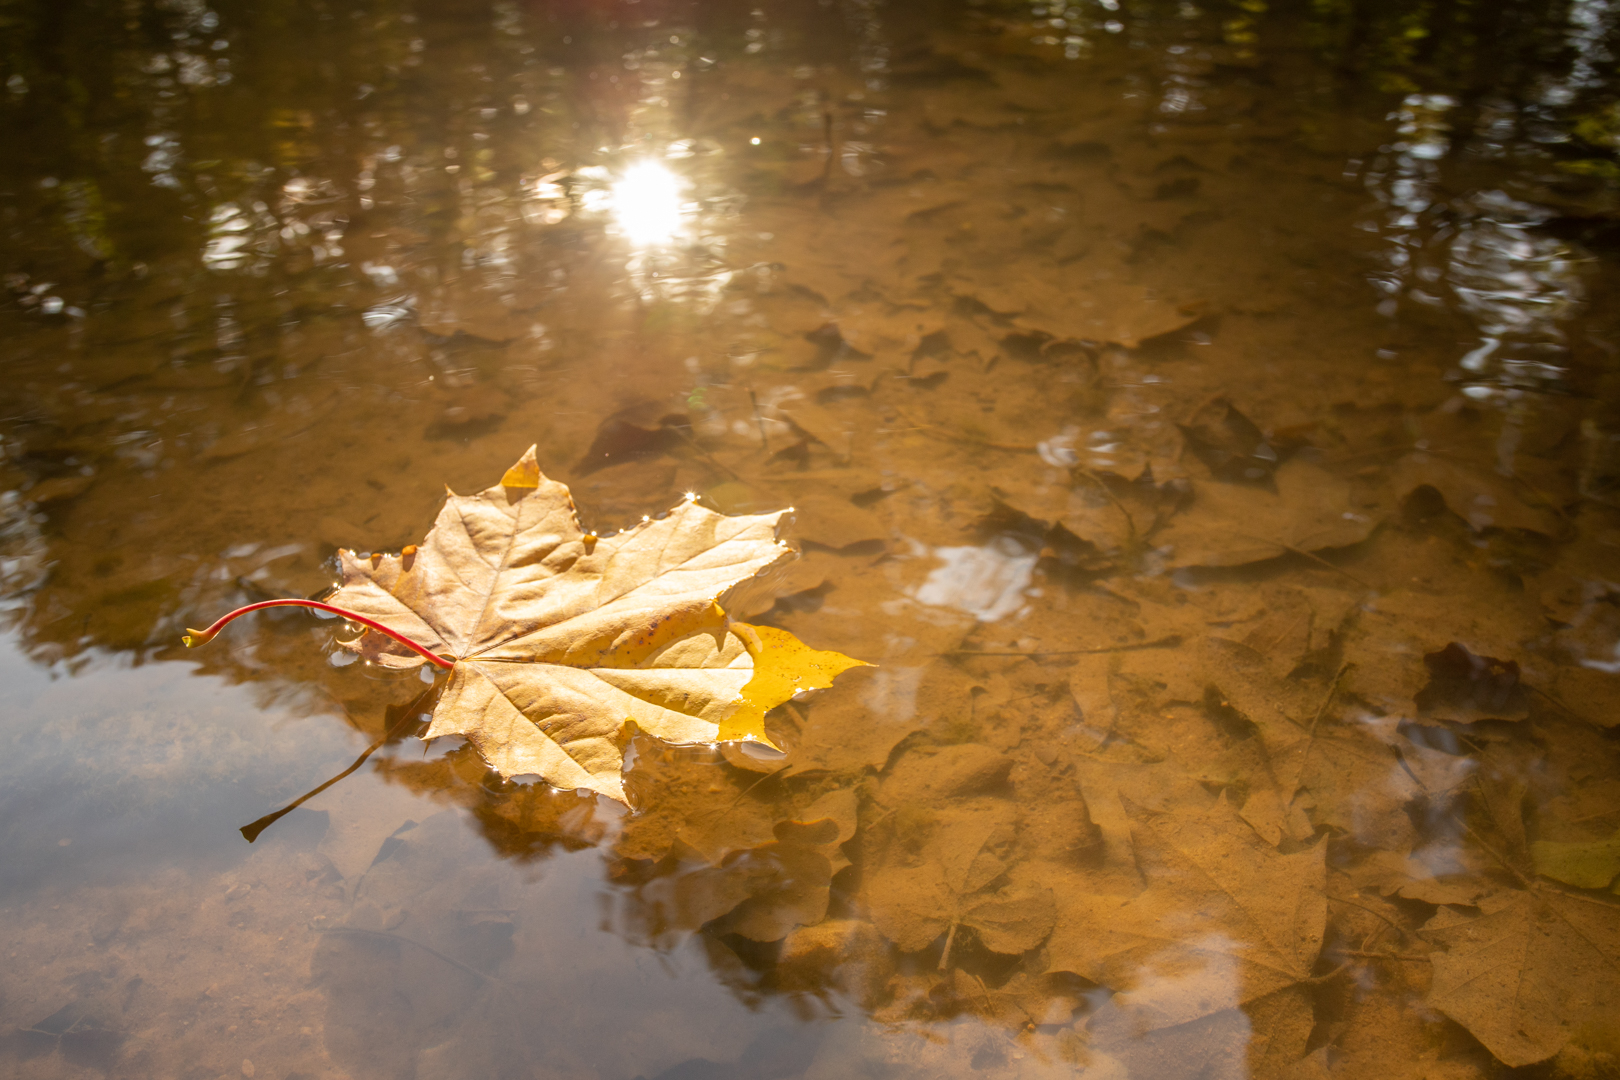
558, 640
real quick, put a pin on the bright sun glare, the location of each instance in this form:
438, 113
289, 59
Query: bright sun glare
647, 204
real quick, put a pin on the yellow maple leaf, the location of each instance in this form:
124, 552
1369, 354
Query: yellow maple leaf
557, 641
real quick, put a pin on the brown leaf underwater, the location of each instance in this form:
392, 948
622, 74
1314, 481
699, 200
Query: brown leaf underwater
1527, 971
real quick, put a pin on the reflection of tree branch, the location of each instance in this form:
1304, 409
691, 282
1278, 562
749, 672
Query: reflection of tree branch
781, 773
1130, 522
1321, 710
764, 440
1375, 914
971, 440
990, 1006
1312, 556
1286, 630
1318, 980
950, 939
1554, 701
1505, 862
708, 458
1547, 502
827, 137
1167, 642
251, 831
386, 936
1411, 958
1310, 739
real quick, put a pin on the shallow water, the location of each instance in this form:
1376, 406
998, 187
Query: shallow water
1160, 388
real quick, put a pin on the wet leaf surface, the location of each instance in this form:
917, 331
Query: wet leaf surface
562, 640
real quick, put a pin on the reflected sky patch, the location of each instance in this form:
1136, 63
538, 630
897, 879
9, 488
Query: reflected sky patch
986, 582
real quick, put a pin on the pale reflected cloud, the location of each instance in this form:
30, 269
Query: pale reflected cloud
162, 157
1184, 1002
389, 314
1197, 979
1518, 286
986, 582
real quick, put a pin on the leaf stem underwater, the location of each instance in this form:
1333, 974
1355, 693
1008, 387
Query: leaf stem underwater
194, 638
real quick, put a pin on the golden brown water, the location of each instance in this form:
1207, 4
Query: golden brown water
1203, 415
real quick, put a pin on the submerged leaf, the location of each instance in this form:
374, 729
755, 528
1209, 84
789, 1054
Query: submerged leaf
913, 905
1527, 971
1225, 920
1301, 507
1083, 301
1235, 450
1466, 687
1588, 865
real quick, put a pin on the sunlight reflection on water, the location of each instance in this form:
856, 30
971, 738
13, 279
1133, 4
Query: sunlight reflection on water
646, 204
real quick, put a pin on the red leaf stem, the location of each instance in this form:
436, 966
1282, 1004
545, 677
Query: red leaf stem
194, 638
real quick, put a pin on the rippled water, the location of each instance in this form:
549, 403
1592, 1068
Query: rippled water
1203, 415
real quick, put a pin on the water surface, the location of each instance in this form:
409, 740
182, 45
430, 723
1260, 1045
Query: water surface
1204, 416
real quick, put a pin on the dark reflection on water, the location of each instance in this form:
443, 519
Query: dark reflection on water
1203, 414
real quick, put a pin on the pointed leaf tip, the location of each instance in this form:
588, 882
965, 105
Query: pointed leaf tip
784, 666
525, 474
